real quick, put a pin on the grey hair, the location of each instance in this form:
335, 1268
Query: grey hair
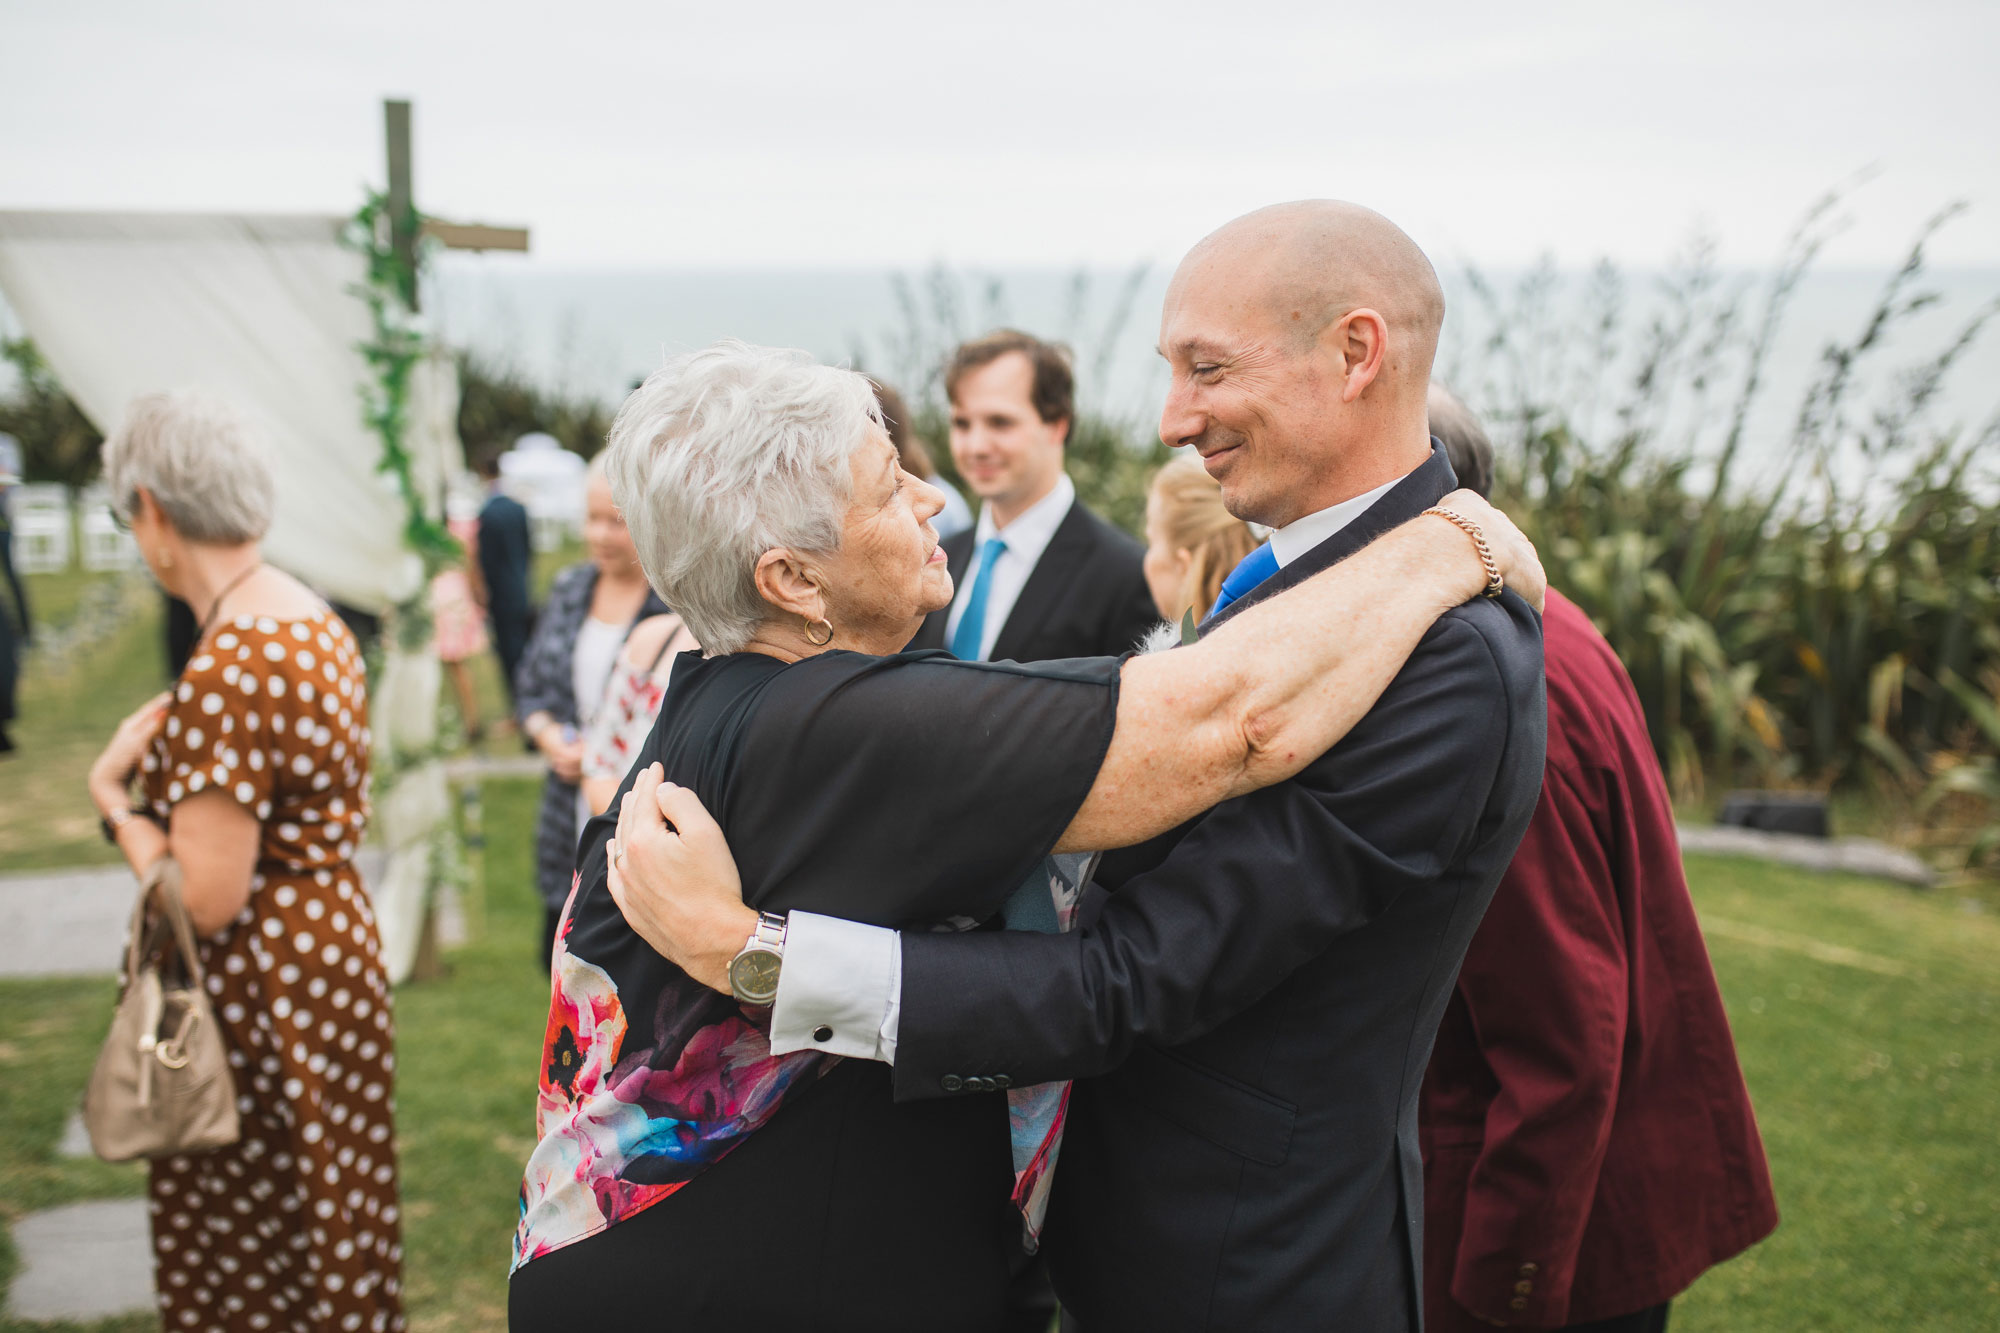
724, 454
1464, 440
198, 456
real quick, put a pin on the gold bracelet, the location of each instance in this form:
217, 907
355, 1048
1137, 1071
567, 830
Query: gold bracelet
1495, 585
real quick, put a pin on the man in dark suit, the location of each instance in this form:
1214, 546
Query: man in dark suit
1249, 1002
13, 636
1589, 1146
502, 568
1039, 576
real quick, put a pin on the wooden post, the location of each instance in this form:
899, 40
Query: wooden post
402, 190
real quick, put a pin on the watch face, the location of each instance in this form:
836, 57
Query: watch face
753, 975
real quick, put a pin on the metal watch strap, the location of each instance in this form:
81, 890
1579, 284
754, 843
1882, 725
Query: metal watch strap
770, 932
767, 941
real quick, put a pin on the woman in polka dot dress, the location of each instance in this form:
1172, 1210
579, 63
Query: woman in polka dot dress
253, 770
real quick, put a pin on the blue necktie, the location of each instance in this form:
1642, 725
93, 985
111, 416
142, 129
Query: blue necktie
971, 629
1257, 566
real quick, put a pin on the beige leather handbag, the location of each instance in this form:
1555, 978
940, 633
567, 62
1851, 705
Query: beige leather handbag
162, 1083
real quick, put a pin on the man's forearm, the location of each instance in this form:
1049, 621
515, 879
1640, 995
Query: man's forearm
1263, 696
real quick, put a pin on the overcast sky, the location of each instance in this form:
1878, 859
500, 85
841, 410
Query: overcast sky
821, 133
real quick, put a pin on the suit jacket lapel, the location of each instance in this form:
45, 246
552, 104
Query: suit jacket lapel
1052, 580
1411, 496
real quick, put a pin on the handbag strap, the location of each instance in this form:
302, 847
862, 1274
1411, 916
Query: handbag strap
674, 636
163, 882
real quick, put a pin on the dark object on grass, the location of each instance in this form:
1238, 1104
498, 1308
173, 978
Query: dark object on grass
1801, 813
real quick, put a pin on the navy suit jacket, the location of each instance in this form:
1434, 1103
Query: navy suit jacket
1251, 1013
1086, 596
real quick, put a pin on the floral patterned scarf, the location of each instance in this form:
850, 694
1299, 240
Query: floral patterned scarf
619, 1130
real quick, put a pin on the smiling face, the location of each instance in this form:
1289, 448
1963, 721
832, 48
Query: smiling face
1253, 395
889, 572
1300, 338
1007, 454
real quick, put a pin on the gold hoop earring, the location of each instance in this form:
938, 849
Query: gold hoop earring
819, 643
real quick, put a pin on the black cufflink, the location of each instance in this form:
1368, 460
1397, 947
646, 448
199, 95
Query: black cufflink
822, 1033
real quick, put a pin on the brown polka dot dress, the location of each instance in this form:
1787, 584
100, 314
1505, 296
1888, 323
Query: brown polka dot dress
295, 1226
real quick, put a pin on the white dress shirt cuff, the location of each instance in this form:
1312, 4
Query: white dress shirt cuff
840, 990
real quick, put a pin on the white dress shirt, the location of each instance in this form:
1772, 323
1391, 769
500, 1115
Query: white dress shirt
1027, 537
846, 978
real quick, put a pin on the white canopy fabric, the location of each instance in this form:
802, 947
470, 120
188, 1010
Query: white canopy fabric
259, 309
262, 310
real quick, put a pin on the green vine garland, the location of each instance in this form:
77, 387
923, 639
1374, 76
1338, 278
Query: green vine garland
392, 353
390, 292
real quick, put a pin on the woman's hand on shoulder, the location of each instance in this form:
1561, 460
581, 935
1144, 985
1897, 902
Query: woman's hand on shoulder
1519, 563
672, 875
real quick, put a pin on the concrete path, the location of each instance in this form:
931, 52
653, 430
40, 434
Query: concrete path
59, 923
1852, 856
56, 923
64, 922
83, 1261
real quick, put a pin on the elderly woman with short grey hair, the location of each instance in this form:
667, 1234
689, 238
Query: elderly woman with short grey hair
252, 774
684, 1174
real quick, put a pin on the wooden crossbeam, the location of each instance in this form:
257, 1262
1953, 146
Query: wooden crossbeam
474, 235
402, 195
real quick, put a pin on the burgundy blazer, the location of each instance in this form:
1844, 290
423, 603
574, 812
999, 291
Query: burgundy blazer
1589, 1147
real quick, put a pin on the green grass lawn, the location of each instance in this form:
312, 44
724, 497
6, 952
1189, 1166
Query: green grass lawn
1878, 1098
1865, 1015
69, 706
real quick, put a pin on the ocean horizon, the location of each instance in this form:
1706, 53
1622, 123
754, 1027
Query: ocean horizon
593, 333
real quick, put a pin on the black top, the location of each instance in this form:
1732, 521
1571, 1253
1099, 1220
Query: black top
1086, 596
10, 641
906, 791
504, 553
899, 791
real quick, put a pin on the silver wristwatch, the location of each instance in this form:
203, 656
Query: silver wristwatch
753, 973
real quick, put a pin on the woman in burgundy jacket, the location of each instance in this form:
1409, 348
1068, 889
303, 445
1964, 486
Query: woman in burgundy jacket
1589, 1147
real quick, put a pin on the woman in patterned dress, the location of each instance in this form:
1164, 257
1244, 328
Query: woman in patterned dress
254, 770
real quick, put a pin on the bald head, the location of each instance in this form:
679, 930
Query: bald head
1313, 261
1301, 338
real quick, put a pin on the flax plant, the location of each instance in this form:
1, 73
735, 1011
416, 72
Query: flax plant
1797, 627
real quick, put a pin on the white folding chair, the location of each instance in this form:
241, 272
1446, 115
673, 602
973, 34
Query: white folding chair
41, 528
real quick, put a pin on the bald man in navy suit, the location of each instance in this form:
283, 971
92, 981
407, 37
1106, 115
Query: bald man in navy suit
1249, 1003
